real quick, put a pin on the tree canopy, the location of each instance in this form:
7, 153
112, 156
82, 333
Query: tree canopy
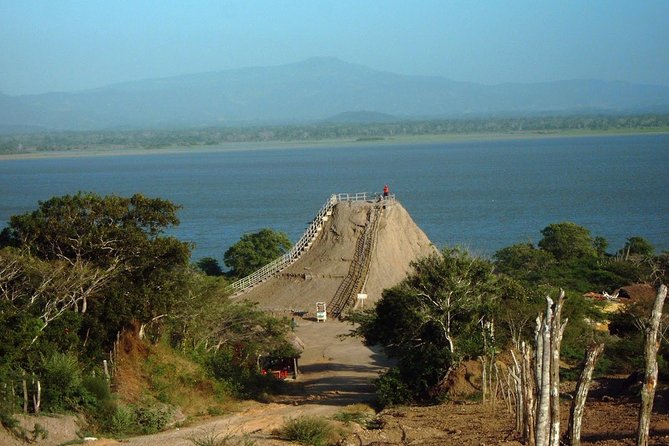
111, 246
255, 250
567, 241
209, 266
637, 246
82, 269
432, 319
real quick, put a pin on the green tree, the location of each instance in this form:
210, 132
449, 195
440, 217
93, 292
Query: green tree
637, 246
432, 319
255, 250
523, 261
117, 235
600, 244
567, 241
209, 266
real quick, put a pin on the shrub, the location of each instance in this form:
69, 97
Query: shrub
151, 419
357, 413
240, 379
312, 431
97, 387
391, 389
122, 421
209, 438
62, 382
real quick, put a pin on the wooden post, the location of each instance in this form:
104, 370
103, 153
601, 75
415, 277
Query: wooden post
578, 403
516, 373
25, 393
37, 396
106, 370
484, 379
651, 346
543, 366
529, 391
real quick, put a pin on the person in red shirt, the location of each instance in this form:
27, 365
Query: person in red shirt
386, 191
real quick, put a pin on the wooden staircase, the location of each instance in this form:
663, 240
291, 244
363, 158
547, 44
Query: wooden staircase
303, 244
354, 281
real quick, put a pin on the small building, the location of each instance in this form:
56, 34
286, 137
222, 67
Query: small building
283, 366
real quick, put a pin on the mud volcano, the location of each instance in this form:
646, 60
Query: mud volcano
361, 246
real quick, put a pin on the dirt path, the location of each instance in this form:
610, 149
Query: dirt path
335, 372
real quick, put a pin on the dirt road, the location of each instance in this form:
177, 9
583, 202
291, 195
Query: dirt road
335, 372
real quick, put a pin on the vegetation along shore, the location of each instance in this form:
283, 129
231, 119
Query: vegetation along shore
19, 143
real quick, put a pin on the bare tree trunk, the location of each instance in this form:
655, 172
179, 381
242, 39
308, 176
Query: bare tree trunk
105, 367
25, 393
544, 373
37, 397
498, 384
651, 346
516, 373
484, 378
557, 331
529, 386
578, 403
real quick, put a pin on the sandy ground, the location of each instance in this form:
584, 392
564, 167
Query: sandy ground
318, 273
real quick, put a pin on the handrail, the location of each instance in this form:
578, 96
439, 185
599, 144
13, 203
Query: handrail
303, 244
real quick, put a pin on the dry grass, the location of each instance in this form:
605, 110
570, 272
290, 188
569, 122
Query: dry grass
156, 373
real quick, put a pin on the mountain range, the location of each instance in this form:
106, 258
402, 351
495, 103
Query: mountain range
314, 90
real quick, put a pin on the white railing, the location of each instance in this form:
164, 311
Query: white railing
303, 244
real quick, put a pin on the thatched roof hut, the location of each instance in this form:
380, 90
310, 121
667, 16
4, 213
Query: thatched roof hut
637, 292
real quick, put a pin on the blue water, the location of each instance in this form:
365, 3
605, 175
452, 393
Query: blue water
484, 195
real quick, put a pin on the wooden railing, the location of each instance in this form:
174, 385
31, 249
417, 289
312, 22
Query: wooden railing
303, 244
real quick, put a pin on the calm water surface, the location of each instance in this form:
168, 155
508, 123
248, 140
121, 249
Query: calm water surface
485, 194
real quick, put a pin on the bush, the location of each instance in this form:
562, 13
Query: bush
62, 382
151, 419
122, 421
209, 438
312, 431
241, 380
391, 389
97, 387
357, 413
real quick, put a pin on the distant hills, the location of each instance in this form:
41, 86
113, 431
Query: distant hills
314, 90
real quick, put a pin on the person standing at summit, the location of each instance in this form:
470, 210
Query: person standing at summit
386, 191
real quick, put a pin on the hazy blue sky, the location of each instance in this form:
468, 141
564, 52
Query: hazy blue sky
61, 45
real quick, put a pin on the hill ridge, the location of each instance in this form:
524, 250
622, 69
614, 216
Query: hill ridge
310, 91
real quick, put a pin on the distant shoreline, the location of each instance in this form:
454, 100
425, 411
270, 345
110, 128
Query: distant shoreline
323, 143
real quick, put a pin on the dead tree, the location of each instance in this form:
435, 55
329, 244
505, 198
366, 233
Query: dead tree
487, 359
516, 389
557, 332
529, 392
524, 389
578, 403
548, 338
651, 346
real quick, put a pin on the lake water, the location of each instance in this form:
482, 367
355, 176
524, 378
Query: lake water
484, 195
